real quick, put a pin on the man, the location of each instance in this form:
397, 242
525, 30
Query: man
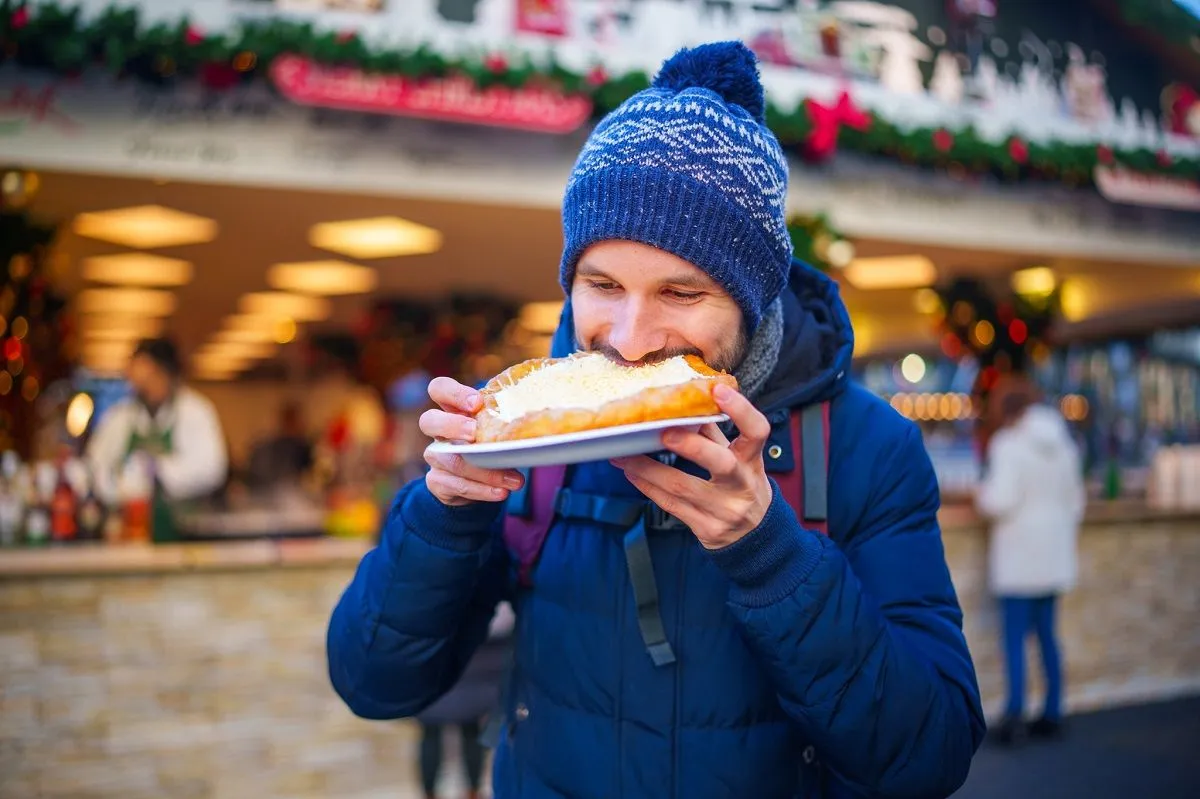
174, 426
776, 662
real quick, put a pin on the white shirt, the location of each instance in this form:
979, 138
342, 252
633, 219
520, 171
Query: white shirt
197, 462
1034, 493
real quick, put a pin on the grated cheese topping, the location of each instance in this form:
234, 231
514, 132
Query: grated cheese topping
586, 382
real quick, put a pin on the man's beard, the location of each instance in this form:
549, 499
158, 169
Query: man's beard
726, 359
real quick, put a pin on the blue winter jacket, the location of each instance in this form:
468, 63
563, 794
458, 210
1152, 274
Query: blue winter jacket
806, 666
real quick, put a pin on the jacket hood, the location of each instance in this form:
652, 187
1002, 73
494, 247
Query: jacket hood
1044, 428
818, 342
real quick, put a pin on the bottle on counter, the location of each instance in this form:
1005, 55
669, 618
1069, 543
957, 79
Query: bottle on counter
37, 521
13, 491
90, 515
137, 494
63, 506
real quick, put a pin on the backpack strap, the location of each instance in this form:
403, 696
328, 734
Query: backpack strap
530, 514
806, 486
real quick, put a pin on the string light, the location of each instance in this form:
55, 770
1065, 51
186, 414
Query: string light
934, 407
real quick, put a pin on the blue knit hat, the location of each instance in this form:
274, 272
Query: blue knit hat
689, 166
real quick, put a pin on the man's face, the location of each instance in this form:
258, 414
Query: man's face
150, 382
638, 304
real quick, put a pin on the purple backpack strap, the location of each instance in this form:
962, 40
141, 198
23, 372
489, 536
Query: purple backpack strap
525, 533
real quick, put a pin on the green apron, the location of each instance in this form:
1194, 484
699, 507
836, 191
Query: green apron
162, 516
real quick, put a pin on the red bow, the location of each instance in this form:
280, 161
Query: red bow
827, 122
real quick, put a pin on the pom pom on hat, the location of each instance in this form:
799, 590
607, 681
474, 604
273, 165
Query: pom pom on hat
728, 69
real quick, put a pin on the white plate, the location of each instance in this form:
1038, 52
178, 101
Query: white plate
590, 445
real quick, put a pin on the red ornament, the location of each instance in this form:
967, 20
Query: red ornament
345, 37
827, 122
597, 76
1018, 150
943, 140
1104, 154
19, 19
218, 76
951, 346
1018, 331
1164, 159
1181, 110
193, 36
496, 63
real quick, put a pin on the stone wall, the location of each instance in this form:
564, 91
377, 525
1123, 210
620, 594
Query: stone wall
186, 686
1128, 632
211, 685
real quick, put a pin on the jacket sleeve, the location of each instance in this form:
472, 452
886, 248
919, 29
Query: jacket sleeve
866, 647
418, 607
999, 491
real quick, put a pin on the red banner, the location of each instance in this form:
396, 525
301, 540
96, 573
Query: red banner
548, 17
454, 99
1136, 188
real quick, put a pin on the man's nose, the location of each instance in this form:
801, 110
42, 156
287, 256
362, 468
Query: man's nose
635, 334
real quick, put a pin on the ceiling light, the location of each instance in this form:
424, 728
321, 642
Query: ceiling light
541, 317
139, 302
240, 350
108, 356
146, 227
891, 272
119, 328
1038, 281
282, 304
137, 269
322, 277
379, 237
217, 361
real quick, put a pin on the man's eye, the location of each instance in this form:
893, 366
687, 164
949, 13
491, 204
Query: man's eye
684, 296
600, 285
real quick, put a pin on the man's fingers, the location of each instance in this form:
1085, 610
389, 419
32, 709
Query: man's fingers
453, 489
671, 504
753, 427
453, 396
458, 466
668, 479
712, 456
443, 426
713, 433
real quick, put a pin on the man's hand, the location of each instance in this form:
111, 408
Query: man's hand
450, 478
734, 501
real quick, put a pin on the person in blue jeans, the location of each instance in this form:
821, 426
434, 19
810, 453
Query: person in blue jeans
1033, 491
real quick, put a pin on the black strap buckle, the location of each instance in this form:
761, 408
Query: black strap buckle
659, 521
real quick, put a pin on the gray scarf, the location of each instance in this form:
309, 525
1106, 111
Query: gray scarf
763, 353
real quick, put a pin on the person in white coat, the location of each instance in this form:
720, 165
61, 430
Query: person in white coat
1034, 494
175, 427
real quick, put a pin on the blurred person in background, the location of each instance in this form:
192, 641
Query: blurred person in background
463, 708
173, 425
285, 456
1033, 492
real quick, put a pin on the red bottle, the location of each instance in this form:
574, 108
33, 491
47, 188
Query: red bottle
63, 526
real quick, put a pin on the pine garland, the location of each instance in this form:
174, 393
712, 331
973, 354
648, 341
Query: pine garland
1165, 17
57, 38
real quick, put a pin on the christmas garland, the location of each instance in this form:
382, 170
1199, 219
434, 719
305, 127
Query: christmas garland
57, 38
1165, 17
